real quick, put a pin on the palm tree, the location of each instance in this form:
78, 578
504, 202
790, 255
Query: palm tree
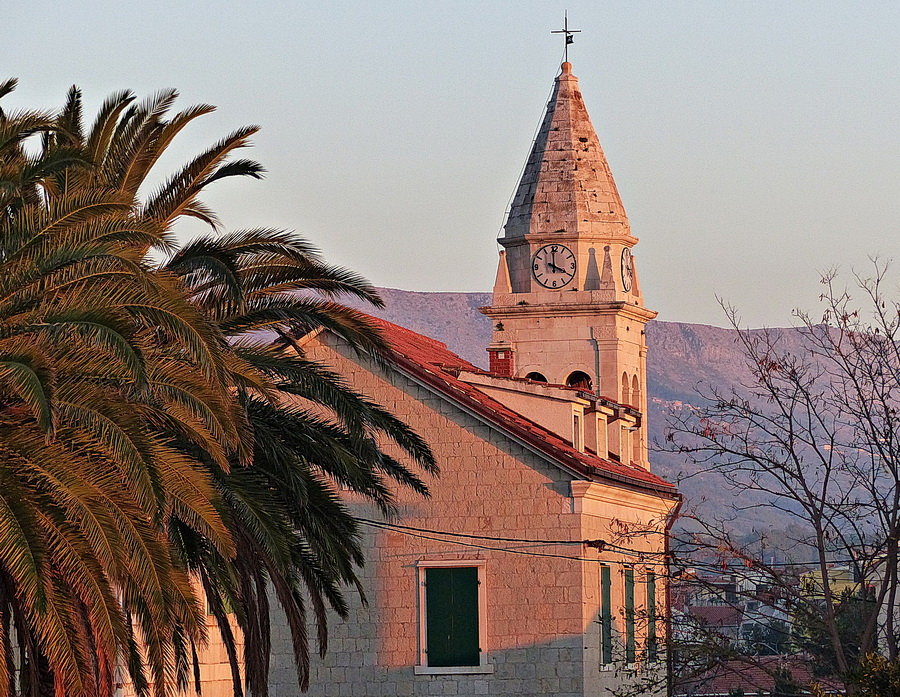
283, 511
149, 395
101, 357
311, 431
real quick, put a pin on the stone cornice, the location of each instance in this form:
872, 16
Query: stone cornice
563, 309
562, 237
587, 491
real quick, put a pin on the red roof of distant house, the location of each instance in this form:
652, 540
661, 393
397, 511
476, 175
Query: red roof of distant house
754, 678
432, 362
717, 615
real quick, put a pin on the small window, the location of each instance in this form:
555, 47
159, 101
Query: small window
577, 433
537, 377
226, 605
451, 622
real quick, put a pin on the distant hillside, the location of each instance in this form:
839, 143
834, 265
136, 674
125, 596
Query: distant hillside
680, 357
449, 317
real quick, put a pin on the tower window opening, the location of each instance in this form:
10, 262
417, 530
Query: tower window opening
579, 379
637, 449
537, 377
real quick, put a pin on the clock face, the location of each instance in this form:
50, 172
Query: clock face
627, 269
553, 266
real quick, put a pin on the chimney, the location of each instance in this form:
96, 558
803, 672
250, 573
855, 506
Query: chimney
501, 360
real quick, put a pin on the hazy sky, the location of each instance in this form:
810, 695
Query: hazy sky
755, 144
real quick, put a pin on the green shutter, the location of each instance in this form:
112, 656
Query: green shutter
629, 616
451, 616
605, 616
651, 617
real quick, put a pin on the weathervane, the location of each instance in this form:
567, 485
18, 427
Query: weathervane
568, 32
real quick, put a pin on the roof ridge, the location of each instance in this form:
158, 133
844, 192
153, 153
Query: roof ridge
398, 327
412, 351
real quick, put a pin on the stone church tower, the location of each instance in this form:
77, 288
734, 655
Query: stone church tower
567, 306
523, 457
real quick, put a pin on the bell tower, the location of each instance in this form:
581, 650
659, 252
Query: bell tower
567, 305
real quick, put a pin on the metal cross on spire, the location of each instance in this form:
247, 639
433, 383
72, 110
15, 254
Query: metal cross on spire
568, 32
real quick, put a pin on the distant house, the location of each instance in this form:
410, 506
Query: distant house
723, 620
536, 567
714, 590
842, 580
742, 610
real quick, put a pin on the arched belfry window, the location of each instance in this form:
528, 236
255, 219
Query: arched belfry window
625, 395
579, 379
537, 377
635, 392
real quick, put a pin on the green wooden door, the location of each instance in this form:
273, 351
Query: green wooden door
451, 616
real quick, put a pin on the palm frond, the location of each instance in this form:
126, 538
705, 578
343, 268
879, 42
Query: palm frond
7, 86
181, 189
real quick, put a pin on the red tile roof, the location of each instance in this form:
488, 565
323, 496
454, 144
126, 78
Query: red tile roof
717, 615
433, 363
755, 676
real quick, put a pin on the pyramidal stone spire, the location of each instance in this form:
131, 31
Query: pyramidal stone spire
567, 185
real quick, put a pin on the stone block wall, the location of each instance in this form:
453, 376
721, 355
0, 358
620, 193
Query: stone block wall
541, 606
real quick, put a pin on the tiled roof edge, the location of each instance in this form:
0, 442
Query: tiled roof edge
558, 457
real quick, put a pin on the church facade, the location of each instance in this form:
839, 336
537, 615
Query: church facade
536, 567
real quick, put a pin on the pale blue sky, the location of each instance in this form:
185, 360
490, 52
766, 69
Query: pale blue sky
754, 143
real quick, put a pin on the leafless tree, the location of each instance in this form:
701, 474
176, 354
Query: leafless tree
814, 436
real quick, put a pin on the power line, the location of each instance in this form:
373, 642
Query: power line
426, 534
599, 544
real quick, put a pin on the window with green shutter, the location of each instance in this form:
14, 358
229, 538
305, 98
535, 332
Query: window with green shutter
451, 616
629, 616
605, 616
652, 648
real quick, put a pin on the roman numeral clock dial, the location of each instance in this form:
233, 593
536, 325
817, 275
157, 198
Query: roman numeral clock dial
627, 269
553, 266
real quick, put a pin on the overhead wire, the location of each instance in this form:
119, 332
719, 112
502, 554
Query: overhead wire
598, 544
427, 534
592, 543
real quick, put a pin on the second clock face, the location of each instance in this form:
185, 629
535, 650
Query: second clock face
627, 269
553, 266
